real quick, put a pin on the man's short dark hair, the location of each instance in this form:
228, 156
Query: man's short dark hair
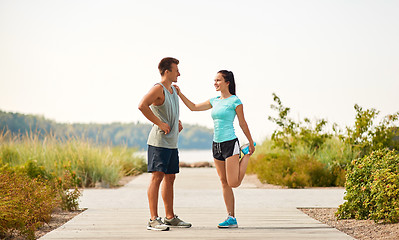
166, 64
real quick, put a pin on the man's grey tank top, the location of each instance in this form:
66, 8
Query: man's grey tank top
168, 112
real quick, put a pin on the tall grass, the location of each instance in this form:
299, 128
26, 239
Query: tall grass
92, 163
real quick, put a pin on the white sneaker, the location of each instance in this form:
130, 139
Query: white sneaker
176, 222
157, 225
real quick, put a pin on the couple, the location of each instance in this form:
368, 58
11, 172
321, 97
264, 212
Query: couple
161, 106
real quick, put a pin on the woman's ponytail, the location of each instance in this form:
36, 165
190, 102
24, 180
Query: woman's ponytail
229, 77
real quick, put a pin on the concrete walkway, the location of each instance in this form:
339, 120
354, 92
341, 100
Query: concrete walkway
261, 213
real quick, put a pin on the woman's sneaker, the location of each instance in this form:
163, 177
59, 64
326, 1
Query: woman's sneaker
157, 225
177, 222
230, 222
245, 148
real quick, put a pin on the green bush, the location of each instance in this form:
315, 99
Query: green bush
291, 134
28, 195
304, 171
366, 136
300, 166
65, 186
372, 188
67, 189
38, 175
302, 153
25, 203
270, 167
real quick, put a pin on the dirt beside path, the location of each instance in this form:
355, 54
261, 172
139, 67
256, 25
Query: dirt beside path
359, 229
58, 218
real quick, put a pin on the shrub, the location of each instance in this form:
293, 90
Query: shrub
25, 203
372, 188
67, 189
65, 186
366, 136
290, 134
336, 156
311, 153
299, 167
270, 167
304, 153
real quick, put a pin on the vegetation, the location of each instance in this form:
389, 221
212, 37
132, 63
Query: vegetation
373, 188
90, 162
52, 163
25, 204
132, 135
300, 167
365, 137
41, 172
301, 154
364, 158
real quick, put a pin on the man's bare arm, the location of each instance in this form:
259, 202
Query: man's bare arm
154, 96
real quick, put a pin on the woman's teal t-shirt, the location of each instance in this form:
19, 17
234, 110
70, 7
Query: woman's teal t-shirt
223, 114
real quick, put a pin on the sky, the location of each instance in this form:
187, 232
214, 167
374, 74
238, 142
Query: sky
93, 61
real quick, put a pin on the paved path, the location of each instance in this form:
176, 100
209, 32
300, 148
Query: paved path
261, 213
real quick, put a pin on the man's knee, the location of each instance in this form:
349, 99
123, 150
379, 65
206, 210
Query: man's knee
170, 178
157, 177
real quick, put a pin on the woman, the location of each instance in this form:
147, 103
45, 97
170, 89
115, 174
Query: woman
226, 150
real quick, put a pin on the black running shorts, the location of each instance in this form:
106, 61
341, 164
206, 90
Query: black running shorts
164, 160
222, 151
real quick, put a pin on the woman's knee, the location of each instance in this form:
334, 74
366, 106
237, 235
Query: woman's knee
234, 183
224, 182
230, 184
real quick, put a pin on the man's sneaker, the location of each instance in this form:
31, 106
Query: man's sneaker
230, 222
176, 222
245, 148
157, 225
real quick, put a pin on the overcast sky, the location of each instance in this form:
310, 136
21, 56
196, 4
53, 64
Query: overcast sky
93, 61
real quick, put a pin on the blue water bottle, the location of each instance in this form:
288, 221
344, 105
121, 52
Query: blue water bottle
245, 148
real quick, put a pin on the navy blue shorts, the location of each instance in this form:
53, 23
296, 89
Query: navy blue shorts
223, 150
164, 160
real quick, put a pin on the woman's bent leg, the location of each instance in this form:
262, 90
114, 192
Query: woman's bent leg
243, 167
235, 169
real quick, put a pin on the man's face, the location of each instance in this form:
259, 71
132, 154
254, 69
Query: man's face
174, 73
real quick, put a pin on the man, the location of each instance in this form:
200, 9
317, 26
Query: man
161, 106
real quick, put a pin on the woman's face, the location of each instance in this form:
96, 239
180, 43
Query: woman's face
220, 83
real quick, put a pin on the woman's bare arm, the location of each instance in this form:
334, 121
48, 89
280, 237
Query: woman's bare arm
193, 106
244, 127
